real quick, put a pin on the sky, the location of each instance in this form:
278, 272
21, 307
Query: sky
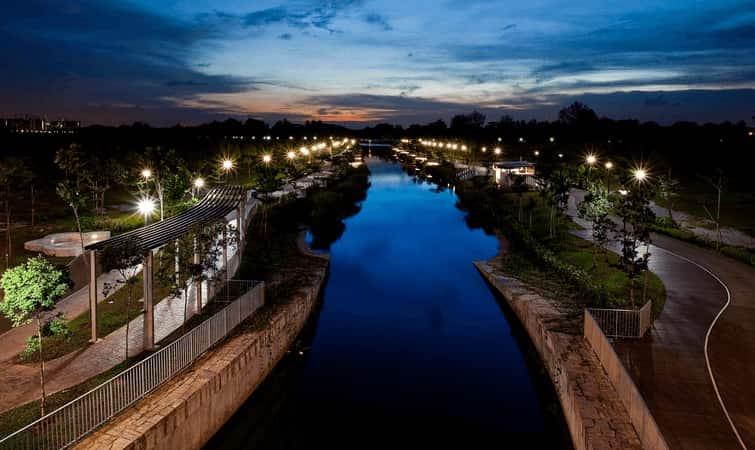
369, 61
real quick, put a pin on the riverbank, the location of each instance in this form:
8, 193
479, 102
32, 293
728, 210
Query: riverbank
591, 406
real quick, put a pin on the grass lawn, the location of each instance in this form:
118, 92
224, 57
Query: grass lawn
737, 208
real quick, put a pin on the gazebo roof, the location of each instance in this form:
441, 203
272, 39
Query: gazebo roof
217, 204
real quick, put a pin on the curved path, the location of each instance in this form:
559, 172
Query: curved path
731, 346
669, 365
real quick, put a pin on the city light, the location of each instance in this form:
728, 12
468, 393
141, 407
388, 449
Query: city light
199, 183
537, 153
609, 165
484, 149
227, 164
291, 155
497, 151
591, 159
146, 174
552, 139
266, 158
623, 192
560, 155
304, 151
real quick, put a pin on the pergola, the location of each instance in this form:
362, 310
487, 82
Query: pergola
227, 202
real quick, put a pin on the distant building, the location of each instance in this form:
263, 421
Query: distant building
39, 125
505, 172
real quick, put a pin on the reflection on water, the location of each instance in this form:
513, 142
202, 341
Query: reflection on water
410, 348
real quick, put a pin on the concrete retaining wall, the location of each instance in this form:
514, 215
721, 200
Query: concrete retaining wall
642, 419
188, 411
594, 414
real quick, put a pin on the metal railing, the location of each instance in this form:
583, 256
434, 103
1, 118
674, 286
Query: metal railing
69, 423
623, 323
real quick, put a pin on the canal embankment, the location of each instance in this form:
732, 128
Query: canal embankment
593, 410
187, 411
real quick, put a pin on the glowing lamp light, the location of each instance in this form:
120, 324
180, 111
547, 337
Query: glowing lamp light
291, 155
640, 174
227, 164
497, 151
609, 165
552, 139
484, 149
560, 155
146, 207
537, 153
146, 174
623, 192
266, 159
199, 183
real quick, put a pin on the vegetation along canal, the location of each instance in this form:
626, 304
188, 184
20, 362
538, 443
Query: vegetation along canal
398, 354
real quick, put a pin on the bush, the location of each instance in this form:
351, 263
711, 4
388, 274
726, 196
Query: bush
31, 350
58, 326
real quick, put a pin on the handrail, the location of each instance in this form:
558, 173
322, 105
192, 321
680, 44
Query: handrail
79, 417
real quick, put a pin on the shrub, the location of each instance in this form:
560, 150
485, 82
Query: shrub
31, 350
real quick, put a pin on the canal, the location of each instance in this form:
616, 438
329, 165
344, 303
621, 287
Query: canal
409, 348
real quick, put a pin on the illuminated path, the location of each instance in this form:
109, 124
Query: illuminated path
669, 365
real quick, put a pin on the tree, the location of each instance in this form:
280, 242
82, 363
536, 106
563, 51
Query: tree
637, 217
75, 200
31, 289
594, 208
668, 190
161, 163
125, 258
577, 114
555, 189
105, 172
14, 174
519, 187
718, 182
192, 258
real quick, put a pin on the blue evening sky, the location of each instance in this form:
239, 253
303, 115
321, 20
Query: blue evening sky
402, 61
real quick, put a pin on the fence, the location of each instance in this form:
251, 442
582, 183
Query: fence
69, 423
623, 323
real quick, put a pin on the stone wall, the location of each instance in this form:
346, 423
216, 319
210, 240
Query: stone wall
596, 418
642, 419
189, 410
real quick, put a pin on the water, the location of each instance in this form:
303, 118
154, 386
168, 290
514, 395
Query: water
410, 347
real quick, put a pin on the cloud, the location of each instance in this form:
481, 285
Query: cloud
285, 36
378, 20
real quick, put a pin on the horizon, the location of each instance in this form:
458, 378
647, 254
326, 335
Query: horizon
358, 63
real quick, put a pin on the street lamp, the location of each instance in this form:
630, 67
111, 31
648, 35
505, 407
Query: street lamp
608, 166
591, 159
640, 174
537, 152
227, 165
484, 149
198, 184
291, 155
497, 151
146, 174
146, 207
266, 158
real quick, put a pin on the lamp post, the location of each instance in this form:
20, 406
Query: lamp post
227, 165
198, 184
608, 166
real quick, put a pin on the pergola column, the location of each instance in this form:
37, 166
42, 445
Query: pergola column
149, 310
93, 293
197, 283
240, 226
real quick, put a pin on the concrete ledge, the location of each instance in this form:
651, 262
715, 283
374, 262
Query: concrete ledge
187, 411
596, 417
630, 396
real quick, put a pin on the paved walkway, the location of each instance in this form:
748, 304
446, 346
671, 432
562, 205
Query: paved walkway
669, 364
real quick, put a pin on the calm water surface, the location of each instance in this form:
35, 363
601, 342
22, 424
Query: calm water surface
410, 347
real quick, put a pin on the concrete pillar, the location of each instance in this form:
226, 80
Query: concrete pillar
93, 293
240, 228
149, 311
